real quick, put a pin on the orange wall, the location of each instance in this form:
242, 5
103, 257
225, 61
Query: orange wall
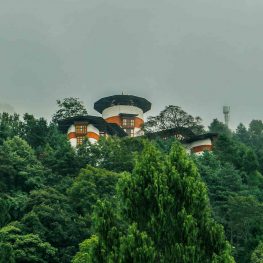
202, 148
138, 122
93, 135
72, 135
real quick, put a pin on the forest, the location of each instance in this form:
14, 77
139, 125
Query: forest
128, 199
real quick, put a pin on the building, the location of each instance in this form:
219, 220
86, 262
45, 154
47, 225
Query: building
81, 128
198, 144
126, 111
123, 115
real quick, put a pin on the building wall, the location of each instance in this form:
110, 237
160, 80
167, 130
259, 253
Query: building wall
198, 147
112, 115
117, 109
92, 134
72, 136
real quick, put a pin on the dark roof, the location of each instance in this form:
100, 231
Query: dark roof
128, 115
131, 100
98, 122
185, 132
115, 129
201, 137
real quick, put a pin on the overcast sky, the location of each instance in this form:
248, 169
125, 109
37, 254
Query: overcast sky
197, 54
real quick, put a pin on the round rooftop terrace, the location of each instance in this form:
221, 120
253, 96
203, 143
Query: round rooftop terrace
115, 100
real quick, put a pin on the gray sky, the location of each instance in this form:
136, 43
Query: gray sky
198, 54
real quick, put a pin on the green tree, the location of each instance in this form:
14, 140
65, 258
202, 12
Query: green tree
10, 126
114, 154
136, 246
24, 248
51, 217
245, 215
69, 107
91, 184
223, 181
219, 127
35, 131
6, 253
4, 208
241, 156
19, 166
87, 248
164, 203
256, 127
242, 134
173, 117
257, 255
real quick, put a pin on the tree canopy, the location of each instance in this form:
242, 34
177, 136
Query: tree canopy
163, 216
69, 107
173, 117
124, 200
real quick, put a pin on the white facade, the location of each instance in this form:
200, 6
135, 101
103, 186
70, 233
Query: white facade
73, 141
73, 138
117, 109
201, 142
192, 145
91, 128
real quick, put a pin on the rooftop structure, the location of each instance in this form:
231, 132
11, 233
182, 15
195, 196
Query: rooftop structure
124, 110
122, 115
198, 144
88, 127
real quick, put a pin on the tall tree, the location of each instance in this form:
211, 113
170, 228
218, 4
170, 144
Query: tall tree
19, 166
114, 154
35, 131
256, 127
173, 117
51, 217
10, 126
69, 107
245, 216
164, 203
219, 127
92, 184
242, 134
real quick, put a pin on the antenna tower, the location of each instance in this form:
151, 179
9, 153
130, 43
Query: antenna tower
226, 111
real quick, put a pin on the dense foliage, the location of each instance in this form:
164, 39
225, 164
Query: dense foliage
69, 107
173, 117
161, 213
122, 201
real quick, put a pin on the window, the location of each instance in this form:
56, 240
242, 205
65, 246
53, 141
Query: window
80, 140
102, 134
130, 132
124, 122
81, 128
128, 122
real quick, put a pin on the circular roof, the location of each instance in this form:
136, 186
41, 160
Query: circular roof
130, 100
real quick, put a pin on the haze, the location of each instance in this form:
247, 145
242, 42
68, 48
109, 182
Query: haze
198, 54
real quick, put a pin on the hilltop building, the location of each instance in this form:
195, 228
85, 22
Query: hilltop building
124, 110
88, 127
123, 115
198, 144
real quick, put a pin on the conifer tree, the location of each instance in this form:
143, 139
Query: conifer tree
164, 204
